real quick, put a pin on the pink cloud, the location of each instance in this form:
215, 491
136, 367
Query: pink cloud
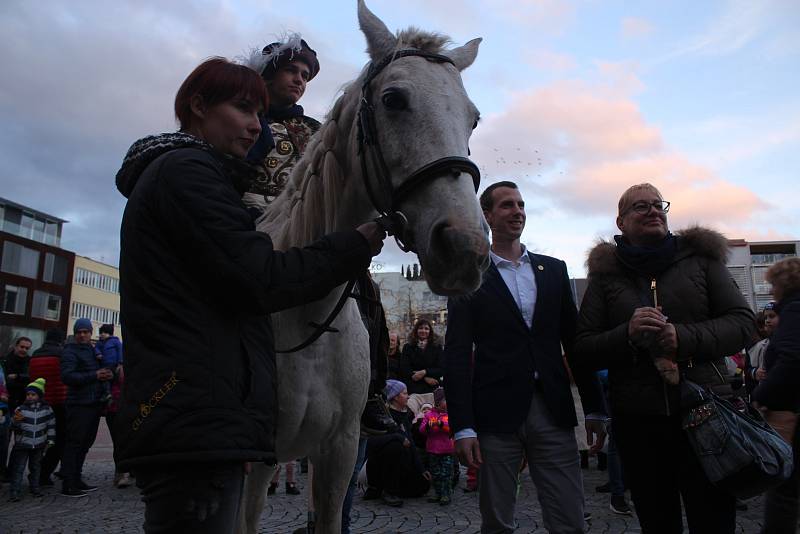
582, 145
635, 27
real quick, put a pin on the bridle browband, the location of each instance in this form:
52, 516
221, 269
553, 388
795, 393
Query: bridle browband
387, 199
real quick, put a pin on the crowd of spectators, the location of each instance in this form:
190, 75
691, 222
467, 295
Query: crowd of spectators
51, 403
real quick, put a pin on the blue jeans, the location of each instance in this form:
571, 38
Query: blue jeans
201, 498
351, 489
615, 478
19, 458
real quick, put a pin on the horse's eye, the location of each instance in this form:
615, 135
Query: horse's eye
394, 100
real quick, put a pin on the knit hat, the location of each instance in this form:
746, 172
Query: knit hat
107, 329
37, 386
438, 396
82, 324
393, 388
280, 53
769, 306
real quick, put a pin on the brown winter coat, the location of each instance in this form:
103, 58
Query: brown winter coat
697, 294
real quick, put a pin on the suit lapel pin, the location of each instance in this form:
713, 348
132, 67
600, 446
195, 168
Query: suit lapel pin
540, 267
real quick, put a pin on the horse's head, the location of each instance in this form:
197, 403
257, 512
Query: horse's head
419, 117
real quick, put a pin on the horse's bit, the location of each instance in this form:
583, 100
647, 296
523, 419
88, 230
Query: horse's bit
387, 199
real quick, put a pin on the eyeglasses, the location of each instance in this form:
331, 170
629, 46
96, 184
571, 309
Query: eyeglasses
643, 207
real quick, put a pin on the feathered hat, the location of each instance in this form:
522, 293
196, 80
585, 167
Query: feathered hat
275, 55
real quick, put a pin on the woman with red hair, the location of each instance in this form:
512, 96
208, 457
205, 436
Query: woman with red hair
197, 285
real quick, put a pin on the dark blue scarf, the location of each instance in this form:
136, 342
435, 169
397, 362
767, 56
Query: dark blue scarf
265, 141
650, 260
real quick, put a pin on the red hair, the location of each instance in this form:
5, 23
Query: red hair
217, 80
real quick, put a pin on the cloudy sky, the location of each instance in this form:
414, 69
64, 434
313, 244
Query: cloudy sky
579, 100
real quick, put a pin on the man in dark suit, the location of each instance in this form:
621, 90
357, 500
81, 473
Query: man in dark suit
514, 401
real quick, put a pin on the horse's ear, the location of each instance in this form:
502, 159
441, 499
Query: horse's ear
380, 40
463, 56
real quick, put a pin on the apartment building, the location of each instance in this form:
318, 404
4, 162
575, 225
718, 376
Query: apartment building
95, 294
749, 262
34, 274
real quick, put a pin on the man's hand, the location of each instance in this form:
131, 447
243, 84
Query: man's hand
375, 235
104, 374
469, 452
595, 435
761, 374
645, 320
418, 375
406, 443
431, 381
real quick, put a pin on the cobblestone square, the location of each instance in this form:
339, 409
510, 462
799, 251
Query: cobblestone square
111, 510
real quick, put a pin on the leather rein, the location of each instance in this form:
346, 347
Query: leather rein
387, 199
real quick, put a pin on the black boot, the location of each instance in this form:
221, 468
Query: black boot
375, 418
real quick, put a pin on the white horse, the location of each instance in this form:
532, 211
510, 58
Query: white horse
421, 114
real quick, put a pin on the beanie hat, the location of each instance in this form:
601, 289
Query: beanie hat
438, 396
54, 335
37, 386
393, 388
769, 306
107, 329
278, 54
82, 324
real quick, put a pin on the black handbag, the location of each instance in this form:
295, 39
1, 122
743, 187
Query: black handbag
739, 452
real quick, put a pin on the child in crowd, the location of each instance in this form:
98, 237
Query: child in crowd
109, 352
439, 446
35, 426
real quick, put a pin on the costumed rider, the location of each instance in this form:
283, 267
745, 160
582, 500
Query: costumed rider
286, 67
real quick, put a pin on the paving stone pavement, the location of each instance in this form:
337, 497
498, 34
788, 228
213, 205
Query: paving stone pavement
111, 510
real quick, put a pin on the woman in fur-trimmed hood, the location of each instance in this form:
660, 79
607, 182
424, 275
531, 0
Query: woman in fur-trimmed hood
660, 305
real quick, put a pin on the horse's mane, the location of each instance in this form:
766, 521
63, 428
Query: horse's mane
306, 208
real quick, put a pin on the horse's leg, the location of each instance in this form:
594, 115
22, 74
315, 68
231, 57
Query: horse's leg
254, 497
333, 468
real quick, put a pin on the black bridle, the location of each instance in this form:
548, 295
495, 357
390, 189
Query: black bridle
387, 199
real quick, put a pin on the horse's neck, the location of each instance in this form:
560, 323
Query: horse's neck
324, 193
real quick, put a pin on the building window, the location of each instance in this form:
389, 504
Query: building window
51, 236
95, 313
15, 299
12, 218
99, 281
46, 306
20, 260
55, 269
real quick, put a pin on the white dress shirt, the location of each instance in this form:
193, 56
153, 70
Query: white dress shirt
520, 281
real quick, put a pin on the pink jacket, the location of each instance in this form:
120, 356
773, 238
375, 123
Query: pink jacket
436, 426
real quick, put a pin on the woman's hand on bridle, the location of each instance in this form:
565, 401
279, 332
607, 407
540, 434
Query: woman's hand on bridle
374, 234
